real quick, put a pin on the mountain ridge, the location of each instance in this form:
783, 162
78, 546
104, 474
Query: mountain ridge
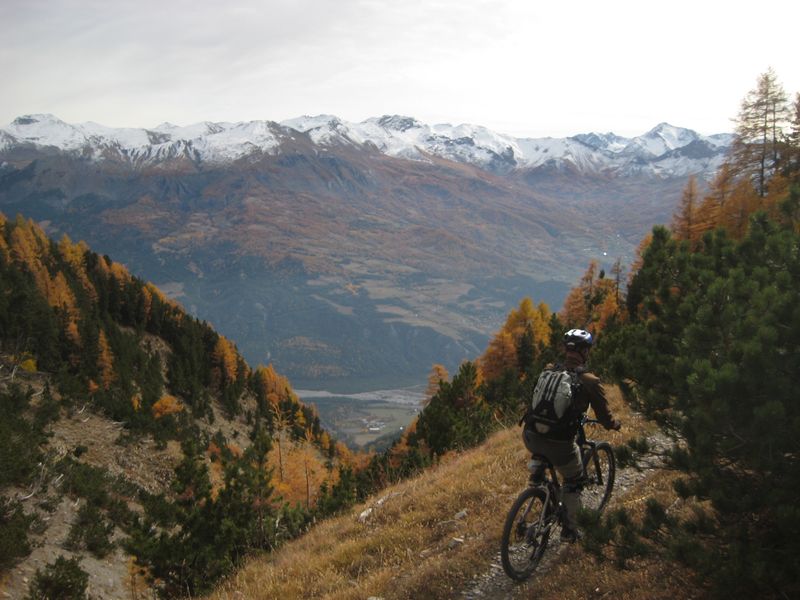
393, 135
350, 252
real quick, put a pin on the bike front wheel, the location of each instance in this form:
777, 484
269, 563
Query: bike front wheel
600, 468
526, 533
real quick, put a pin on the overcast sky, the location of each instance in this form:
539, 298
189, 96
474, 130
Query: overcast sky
524, 67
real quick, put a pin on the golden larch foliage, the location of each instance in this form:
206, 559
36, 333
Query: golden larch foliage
501, 354
638, 260
157, 293
147, 301
28, 365
73, 254
608, 309
303, 471
102, 266
595, 300
537, 318
734, 215
437, 375
398, 452
276, 387
167, 405
4, 250
731, 202
226, 362
59, 294
346, 456
120, 273
683, 221
74, 336
575, 313
30, 246
105, 361
325, 442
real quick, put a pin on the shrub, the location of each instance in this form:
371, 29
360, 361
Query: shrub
91, 531
64, 579
14, 525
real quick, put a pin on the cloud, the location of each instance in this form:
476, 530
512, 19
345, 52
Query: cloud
521, 67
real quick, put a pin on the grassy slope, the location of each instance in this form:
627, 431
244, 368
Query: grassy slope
406, 547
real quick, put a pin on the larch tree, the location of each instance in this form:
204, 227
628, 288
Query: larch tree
757, 149
500, 355
105, 360
437, 375
225, 359
792, 165
683, 221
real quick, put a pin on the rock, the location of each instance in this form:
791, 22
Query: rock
362, 518
455, 543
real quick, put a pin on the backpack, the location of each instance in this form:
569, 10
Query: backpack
553, 396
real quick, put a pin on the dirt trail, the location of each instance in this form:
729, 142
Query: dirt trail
494, 584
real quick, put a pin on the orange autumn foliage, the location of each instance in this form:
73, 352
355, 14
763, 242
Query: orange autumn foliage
105, 361
226, 362
167, 405
595, 301
437, 375
303, 471
4, 250
276, 387
30, 246
73, 254
501, 354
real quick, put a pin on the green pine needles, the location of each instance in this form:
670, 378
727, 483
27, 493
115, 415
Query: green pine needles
712, 347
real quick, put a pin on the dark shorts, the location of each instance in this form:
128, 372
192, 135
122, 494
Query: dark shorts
564, 454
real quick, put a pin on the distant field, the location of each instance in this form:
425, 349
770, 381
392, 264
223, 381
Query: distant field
359, 422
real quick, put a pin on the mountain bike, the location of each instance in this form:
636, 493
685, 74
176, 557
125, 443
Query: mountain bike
538, 513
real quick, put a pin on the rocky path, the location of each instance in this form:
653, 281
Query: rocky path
494, 584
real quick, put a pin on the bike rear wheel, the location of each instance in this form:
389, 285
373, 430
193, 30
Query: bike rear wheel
600, 469
526, 532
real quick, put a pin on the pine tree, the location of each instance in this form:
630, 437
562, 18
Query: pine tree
713, 349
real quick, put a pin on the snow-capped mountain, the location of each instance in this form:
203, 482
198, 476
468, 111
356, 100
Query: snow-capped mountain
665, 150
403, 243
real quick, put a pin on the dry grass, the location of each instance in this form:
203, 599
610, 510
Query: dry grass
578, 575
415, 544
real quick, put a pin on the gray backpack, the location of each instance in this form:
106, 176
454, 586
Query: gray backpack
552, 400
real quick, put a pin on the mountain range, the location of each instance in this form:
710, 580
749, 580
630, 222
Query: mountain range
350, 254
663, 151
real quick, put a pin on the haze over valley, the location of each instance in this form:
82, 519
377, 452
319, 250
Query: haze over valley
352, 256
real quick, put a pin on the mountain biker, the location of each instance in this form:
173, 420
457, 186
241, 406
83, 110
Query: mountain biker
559, 445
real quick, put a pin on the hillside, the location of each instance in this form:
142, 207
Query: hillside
437, 536
351, 256
129, 428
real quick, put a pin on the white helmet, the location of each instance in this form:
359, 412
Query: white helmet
577, 339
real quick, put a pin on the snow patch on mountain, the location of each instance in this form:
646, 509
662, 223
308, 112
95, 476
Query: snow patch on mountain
212, 142
663, 151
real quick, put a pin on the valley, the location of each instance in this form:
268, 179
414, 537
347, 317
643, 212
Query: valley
352, 257
369, 419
